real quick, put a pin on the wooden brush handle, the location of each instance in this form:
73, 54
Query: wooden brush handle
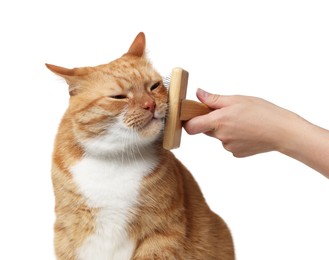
190, 109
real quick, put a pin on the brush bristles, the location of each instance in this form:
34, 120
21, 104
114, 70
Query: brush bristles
166, 81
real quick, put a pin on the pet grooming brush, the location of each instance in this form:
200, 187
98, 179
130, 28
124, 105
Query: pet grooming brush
180, 109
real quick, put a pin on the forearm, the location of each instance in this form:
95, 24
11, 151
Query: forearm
308, 144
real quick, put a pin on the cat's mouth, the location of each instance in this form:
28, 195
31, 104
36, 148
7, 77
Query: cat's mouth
152, 127
154, 117
147, 124
153, 120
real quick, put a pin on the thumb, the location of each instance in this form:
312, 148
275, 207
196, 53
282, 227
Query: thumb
211, 100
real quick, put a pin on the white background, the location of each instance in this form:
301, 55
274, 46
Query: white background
277, 208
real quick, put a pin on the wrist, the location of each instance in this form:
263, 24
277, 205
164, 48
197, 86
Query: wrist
289, 133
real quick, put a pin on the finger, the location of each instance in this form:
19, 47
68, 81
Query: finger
212, 100
200, 124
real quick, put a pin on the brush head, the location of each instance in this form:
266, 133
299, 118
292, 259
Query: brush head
177, 93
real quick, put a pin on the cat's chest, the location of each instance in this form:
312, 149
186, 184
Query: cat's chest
113, 189
106, 184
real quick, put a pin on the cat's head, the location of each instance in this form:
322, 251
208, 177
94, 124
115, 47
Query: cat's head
116, 106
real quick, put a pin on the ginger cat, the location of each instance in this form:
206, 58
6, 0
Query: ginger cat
119, 194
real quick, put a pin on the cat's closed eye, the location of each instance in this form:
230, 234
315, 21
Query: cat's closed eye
119, 97
154, 86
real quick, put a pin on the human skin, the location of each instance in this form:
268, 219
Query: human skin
250, 125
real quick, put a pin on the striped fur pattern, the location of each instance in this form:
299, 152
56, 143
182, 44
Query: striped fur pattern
119, 195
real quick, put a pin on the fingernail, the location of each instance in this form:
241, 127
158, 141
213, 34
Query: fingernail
202, 93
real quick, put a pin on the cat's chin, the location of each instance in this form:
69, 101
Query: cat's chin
152, 129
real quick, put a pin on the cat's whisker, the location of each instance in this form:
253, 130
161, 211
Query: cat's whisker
166, 80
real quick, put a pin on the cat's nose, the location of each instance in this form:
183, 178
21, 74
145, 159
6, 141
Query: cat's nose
149, 105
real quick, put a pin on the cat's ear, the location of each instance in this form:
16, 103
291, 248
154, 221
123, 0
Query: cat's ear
137, 48
71, 76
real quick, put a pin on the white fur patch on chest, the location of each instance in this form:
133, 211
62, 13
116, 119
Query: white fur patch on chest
113, 188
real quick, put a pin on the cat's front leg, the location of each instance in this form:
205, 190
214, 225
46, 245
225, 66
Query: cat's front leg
160, 247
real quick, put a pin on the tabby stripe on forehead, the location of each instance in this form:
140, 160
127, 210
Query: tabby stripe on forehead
119, 83
136, 73
146, 76
121, 80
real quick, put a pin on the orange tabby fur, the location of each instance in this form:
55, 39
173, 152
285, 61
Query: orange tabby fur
169, 218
